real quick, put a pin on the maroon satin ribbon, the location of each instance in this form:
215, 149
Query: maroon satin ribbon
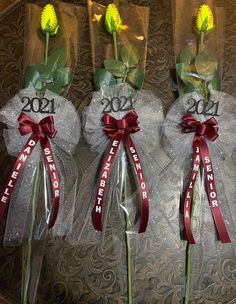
209, 130
119, 130
40, 132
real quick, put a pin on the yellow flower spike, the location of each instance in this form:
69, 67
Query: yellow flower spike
113, 20
205, 19
49, 23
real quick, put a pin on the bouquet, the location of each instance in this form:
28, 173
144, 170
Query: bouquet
198, 135
122, 125
43, 130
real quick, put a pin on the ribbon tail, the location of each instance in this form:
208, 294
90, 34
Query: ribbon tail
102, 182
212, 193
142, 184
189, 193
16, 173
54, 177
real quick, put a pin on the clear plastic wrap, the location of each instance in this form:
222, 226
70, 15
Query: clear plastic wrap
63, 145
192, 58
43, 130
63, 47
120, 112
122, 202
131, 44
179, 146
201, 118
208, 250
150, 116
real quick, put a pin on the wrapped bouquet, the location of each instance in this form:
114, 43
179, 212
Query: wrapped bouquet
199, 136
122, 125
43, 130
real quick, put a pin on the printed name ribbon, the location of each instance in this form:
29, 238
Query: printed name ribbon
119, 130
209, 130
40, 132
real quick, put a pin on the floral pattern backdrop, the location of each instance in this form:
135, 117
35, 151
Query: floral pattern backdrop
88, 274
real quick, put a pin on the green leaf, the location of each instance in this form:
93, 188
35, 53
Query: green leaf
184, 71
103, 77
188, 88
135, 78
57, 59
214, 84
115, 67
32, 78
129, 55
186, 55
55, 88
63, 76
205, 66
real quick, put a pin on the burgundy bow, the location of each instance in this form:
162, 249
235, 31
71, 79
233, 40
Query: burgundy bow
209, 130
128, 124
44, 128
40, 132
119, 130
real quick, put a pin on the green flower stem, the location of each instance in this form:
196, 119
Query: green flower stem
127, 228
205, 90
128, 245
27, 273
201, 45
46, 48
115, 44
188, 272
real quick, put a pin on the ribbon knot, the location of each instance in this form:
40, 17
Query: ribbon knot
44, 127
209, 130
122, 124
119, 130
201, 130
39, 132
128, 124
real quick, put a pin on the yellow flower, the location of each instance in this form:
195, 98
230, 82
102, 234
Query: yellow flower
49, 20
205, 19
113, 21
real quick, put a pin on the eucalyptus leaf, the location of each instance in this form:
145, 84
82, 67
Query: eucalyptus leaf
55, 88
103, 77
186, 55
63, 76
129, 55
135, 78
184, 71
42, 68
214, 84
205, 66
188, 88
115, 67
32, 78
57, 59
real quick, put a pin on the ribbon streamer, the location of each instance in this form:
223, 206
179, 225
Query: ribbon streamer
40, 132
209, 130
119, 130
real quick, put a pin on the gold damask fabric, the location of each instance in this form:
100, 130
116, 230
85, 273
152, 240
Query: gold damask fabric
88, 274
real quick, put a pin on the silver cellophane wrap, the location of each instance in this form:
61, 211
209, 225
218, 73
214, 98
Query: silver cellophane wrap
208, 253
150, 117
67, 124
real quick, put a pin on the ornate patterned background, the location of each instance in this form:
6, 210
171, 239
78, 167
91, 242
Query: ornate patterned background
87, 274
